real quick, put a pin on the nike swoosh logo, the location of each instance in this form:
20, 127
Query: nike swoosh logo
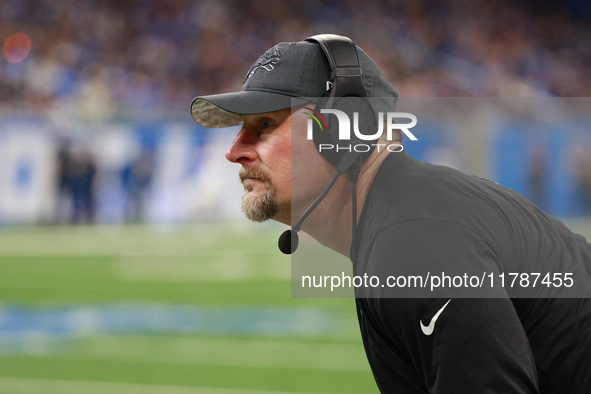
428, 330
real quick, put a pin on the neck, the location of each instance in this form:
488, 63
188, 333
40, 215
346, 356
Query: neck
331, 222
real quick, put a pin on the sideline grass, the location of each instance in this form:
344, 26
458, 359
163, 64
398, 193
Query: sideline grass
209, 266
213, 266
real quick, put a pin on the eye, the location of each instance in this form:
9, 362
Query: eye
266, 123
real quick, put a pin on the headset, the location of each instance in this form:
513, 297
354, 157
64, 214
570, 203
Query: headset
345, 92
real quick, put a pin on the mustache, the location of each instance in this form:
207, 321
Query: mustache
255, 173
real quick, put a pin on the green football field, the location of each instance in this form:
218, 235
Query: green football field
197, 309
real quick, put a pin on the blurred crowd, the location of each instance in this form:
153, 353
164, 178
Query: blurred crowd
92, 61
96, 58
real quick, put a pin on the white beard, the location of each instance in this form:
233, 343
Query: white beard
259, 208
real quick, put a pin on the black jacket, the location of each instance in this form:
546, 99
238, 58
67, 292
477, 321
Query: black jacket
502, 336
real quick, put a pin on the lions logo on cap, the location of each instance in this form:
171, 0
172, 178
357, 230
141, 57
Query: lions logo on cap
266, 61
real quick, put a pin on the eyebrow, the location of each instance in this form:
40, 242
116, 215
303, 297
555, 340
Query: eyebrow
268, 115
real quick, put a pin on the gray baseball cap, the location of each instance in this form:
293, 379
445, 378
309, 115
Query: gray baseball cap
287, 71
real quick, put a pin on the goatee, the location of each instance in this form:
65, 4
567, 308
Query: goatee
258, 208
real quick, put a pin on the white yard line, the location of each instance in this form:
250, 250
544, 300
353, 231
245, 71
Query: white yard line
96, 241
49, 386
95, 252
249, 353
202, 268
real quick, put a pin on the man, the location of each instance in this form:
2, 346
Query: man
415, 217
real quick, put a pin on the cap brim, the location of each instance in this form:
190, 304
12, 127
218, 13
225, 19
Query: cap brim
224, 110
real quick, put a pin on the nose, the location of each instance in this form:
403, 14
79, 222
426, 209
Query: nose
242, 149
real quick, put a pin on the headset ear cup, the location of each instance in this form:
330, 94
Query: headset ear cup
363, 122
325, 144
367, 124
